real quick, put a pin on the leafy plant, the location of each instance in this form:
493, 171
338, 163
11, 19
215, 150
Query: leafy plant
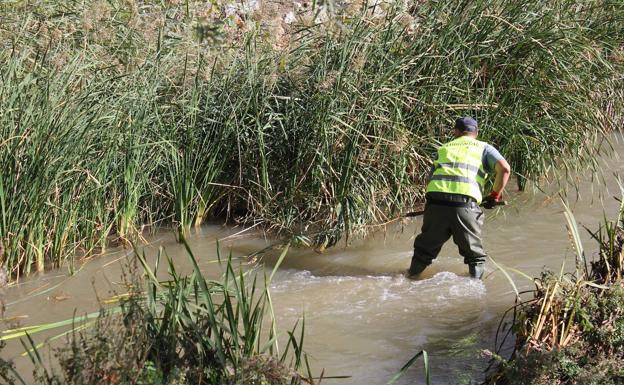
185, 330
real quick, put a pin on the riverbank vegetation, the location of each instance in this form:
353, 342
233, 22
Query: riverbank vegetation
572, 330
182, 330
316, 121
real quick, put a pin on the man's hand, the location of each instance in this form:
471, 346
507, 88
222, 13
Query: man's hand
491, 200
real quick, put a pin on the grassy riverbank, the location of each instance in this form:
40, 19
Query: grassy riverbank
182, 330
115, 115
572, 330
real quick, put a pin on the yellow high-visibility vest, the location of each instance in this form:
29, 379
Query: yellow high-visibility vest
459, 168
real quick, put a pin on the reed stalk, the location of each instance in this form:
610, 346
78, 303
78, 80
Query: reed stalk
570, 330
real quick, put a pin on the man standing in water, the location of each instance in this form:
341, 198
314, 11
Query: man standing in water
453, 197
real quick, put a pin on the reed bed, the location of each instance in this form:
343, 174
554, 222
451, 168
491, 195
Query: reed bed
122, 116
571, 331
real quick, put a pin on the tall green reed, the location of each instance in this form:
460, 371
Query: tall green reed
113, 117
182, 329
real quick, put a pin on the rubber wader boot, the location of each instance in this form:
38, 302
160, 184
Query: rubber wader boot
415, 269
476, 270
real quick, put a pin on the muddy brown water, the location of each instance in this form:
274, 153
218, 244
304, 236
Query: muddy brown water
363, 318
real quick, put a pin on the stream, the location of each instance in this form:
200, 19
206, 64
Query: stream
363, 318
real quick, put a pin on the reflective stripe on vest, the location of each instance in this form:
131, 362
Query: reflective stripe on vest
459, 168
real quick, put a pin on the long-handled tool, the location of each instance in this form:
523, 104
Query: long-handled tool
421, 212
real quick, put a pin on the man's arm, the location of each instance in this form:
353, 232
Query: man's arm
503, 171
494, 161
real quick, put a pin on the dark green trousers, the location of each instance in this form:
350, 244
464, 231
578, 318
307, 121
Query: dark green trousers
439, 224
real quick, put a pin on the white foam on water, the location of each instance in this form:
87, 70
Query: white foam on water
380, 295
458, 286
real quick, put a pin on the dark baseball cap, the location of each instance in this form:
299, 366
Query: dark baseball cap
467, 124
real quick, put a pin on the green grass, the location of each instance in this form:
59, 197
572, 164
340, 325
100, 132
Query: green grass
114, 119
181, 330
